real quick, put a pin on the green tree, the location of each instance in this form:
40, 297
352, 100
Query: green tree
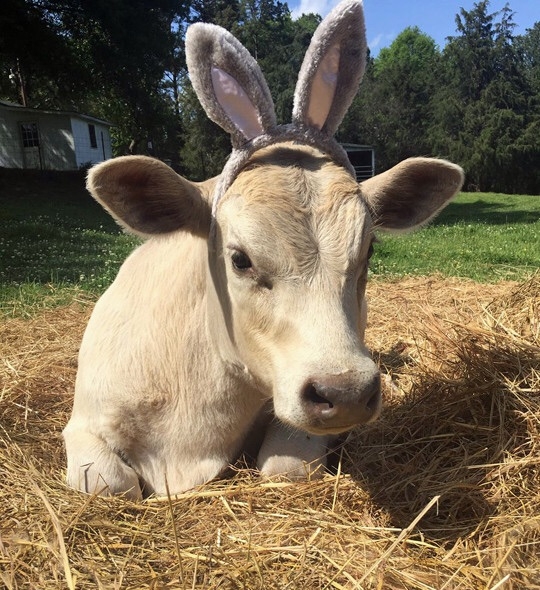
529, 46
528, 144
485, 117
393, 110
33, 51
278, 44
106, 57
127, 45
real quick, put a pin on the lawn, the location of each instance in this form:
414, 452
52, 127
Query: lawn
481, 236
56, 242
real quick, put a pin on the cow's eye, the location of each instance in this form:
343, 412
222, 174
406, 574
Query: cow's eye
241, 261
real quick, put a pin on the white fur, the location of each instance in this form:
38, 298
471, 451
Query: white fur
184, 352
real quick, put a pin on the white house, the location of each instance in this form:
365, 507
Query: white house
51, 140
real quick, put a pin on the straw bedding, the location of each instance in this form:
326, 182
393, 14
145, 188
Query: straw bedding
442, 492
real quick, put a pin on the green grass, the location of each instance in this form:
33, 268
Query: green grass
57, 244
55, 241
482, 236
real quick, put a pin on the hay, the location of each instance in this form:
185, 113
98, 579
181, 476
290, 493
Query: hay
441, 493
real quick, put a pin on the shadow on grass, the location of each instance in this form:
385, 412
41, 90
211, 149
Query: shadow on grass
27, 194
489, 213
52, 231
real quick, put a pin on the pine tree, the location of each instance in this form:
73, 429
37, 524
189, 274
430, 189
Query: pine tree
483, 115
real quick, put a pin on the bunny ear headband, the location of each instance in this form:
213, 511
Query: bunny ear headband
234, 93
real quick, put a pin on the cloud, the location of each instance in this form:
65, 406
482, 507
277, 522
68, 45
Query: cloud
321, 7
379, 41
374, 43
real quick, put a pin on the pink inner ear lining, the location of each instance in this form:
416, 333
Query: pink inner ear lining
323, 88
236, 103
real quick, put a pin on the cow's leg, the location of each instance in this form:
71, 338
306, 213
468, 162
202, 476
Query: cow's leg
293, 453
93, 467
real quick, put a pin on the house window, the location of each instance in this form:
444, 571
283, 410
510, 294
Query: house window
92, 133
30, 135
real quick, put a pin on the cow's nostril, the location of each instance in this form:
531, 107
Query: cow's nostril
374, 399
373, 402
311, 395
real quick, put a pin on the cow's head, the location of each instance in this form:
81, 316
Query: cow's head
289, 229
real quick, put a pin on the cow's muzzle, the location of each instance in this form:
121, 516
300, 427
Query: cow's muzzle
335, 403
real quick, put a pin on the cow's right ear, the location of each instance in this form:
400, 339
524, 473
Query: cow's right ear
147, 197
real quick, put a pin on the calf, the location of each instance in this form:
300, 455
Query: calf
247, 297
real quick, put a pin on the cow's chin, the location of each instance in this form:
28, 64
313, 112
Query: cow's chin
326, 430
320, 429
320, 426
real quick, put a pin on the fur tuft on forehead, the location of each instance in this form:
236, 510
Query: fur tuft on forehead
235, 95
293, 202
298, 181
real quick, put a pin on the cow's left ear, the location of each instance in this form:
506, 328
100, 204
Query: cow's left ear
411, 193
147, 197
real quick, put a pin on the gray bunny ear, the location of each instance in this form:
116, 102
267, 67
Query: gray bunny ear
228, 82
332, 69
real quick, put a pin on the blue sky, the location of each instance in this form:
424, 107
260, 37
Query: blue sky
385, 19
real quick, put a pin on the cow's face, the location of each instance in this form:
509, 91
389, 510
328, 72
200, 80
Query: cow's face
290, 255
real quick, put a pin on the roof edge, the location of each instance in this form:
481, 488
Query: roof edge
18, 107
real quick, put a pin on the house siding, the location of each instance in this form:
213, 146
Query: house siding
11, 155
84, 153
56, 139
64, 140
